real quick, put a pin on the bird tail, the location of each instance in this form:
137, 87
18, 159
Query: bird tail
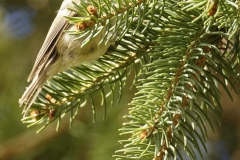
32, 92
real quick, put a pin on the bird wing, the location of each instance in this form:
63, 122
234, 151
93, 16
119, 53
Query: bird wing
58, 26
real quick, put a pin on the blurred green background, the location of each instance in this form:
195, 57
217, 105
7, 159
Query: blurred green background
23, 27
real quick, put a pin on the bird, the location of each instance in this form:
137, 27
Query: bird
61, 51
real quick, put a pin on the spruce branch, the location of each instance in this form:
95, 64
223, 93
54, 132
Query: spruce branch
180, 52
181, 84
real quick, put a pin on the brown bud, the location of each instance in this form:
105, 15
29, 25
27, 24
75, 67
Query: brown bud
48, 97
143, 134
52, 113
92, 10
35, 114
81, 26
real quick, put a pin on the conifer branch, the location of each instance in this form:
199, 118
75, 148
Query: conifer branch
179, 51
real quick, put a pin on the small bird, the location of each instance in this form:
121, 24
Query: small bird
61, 51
